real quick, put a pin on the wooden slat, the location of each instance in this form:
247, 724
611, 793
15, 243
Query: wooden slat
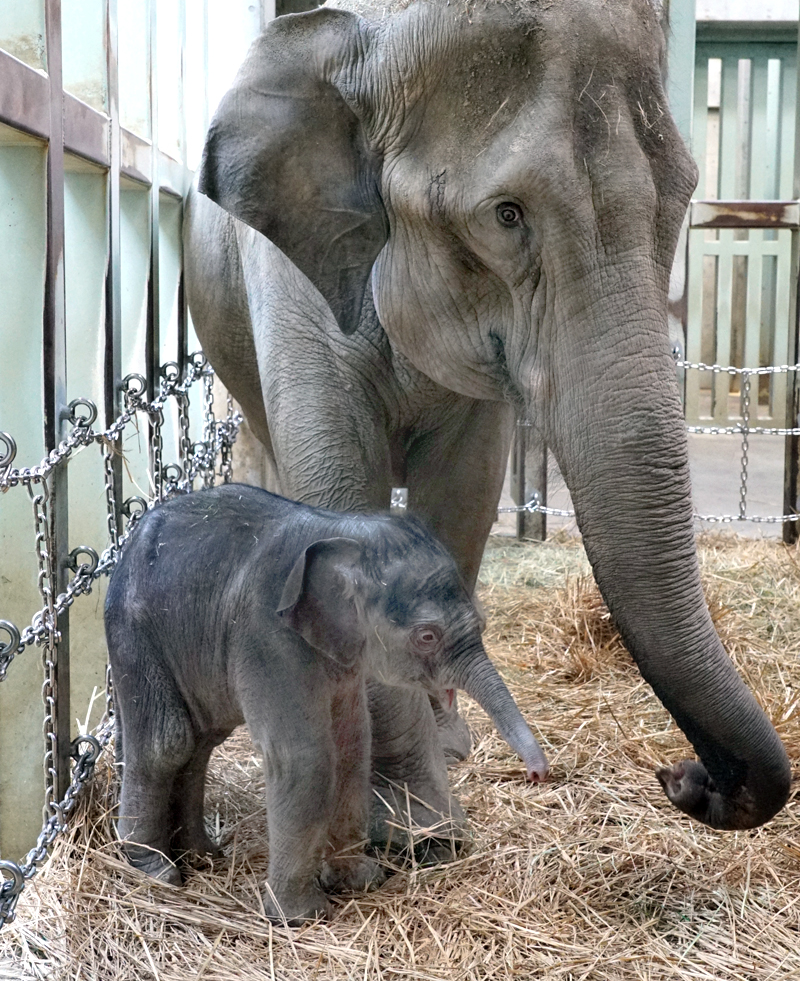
694, 319
788, 123
722, 349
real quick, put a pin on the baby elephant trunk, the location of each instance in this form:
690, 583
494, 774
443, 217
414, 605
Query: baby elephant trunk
478, 677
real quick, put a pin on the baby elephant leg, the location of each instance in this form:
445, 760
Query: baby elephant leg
300, 797
188, 793
347, 869
154, 753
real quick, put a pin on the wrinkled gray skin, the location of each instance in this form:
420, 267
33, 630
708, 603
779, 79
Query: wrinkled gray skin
487, 198
233, 605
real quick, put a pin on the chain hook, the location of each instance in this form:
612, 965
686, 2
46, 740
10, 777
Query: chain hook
14, 883
77, 420
13, 643
90, 755
85, 568
7, 458
133, 385
170, 372
134, 507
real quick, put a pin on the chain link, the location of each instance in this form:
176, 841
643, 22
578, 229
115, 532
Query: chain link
197, 459
745, 399
743, 429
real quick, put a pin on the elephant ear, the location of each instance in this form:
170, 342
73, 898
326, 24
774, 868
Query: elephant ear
286, 154
318, 599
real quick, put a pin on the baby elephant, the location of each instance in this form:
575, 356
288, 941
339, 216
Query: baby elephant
233, 605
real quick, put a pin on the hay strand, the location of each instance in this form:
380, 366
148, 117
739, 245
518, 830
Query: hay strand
591, 876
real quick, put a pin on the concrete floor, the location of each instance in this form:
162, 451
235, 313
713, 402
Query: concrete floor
715, 463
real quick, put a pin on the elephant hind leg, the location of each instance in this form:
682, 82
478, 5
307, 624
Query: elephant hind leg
158, 743
188, 793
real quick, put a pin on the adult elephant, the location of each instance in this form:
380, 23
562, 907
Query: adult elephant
486, 197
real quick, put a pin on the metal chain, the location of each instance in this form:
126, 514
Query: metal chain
228, 431
43, 629
185, 442
109, 451
45, 555
210, 425
742, 429
745, 396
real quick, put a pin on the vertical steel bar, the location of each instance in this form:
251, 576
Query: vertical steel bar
113, 322
153, 336
792, 444
520, 442
182, 313
55, 378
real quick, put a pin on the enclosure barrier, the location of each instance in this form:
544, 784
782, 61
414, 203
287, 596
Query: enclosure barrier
198, 461
538, 501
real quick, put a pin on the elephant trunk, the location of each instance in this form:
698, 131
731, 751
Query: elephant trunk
628, 472
477, 676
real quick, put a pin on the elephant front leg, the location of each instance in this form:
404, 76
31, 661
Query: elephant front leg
300, 803
412, 808
347, 869
455, 478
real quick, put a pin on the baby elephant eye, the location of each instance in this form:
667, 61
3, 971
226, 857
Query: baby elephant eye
509, 214
426, 639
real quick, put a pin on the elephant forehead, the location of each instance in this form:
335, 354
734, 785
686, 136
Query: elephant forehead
454, 81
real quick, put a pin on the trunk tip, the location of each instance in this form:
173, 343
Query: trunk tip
538, 774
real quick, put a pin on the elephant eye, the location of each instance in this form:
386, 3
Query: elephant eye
426, 638
509, 214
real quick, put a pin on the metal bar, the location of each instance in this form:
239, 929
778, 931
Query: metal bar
24, 97
136, 157
86, 131
519, 450
792, 443
113, 322
745, 214
153, 335
153, 338
55, 379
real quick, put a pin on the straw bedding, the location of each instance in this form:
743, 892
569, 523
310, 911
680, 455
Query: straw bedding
592, 876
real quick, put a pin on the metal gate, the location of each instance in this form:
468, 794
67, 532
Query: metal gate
103, 109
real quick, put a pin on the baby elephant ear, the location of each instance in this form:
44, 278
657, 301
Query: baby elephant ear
318, 599
286, 154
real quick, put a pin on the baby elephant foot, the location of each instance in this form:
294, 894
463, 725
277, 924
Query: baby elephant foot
357, 874
295, 909
197, 844
152, 862
430, 836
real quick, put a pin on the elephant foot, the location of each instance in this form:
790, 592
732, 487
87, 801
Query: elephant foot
454, 735
296, 908
196, 844
152, 862
410, 830
357, 874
